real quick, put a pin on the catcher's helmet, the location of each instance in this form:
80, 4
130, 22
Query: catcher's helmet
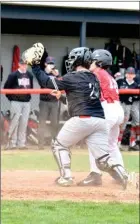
102, 57
78, 56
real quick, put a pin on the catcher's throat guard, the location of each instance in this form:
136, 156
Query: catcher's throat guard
33, 54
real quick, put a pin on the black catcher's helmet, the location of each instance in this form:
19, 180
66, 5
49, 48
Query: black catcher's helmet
102, 57
78, 56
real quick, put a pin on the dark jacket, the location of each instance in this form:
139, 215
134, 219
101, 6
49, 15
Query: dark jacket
127, 98
137, 80
17, 80
48, 97
82, 91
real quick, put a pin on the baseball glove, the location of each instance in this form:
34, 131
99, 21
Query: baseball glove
33, 54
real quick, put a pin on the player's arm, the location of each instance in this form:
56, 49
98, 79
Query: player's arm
45, 81
136, 96
10, 81
9, 84
59, 96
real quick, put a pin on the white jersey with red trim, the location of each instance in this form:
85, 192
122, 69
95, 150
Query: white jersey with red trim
109, 86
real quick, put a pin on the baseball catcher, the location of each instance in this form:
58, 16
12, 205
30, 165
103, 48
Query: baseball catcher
87, 117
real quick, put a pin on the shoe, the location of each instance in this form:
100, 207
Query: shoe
64, 182
93, 179
134, 148
56, 180
59, 177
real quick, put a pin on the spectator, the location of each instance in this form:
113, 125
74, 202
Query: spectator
20, 105
135, 124
49, 105
126, 100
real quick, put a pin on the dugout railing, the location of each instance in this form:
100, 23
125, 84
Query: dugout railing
48, 91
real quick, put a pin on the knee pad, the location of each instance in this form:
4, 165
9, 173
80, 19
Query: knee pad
107, 164
62, 156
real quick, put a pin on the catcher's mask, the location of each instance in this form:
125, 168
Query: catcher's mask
80, 56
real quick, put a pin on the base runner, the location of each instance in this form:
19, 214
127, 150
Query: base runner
101, 61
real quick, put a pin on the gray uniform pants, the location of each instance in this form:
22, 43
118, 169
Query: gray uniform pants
19, 119
93, 129
127, 112
48, 111
135, 113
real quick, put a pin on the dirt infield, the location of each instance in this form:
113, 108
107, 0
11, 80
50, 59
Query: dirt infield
39, 185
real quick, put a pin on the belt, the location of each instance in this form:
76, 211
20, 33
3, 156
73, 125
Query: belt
84, 116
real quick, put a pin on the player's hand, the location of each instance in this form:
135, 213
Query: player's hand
56, 93
55, 72
48, 69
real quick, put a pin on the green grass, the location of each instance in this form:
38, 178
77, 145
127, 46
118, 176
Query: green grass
61, 212
32, 212
43, 160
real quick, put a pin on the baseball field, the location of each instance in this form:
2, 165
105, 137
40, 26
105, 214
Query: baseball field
30, 196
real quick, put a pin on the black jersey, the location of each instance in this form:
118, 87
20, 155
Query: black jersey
82, 91
127, 98
18, 80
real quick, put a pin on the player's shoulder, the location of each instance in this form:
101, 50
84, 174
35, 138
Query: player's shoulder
77, 74
13, 75
104, 76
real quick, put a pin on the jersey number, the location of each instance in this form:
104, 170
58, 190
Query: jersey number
95, 90
113, 85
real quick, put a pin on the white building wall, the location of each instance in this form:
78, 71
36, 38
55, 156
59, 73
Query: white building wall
55, 45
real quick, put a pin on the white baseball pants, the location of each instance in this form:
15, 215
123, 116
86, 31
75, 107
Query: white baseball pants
114, 116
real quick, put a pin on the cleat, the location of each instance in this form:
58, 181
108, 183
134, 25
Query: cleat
93, 179
64, 182
134, 148
56, 180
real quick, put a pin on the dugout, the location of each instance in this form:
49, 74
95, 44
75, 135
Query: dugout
62, 28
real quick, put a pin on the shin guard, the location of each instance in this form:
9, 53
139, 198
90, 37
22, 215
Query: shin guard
63, 158
107, 164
